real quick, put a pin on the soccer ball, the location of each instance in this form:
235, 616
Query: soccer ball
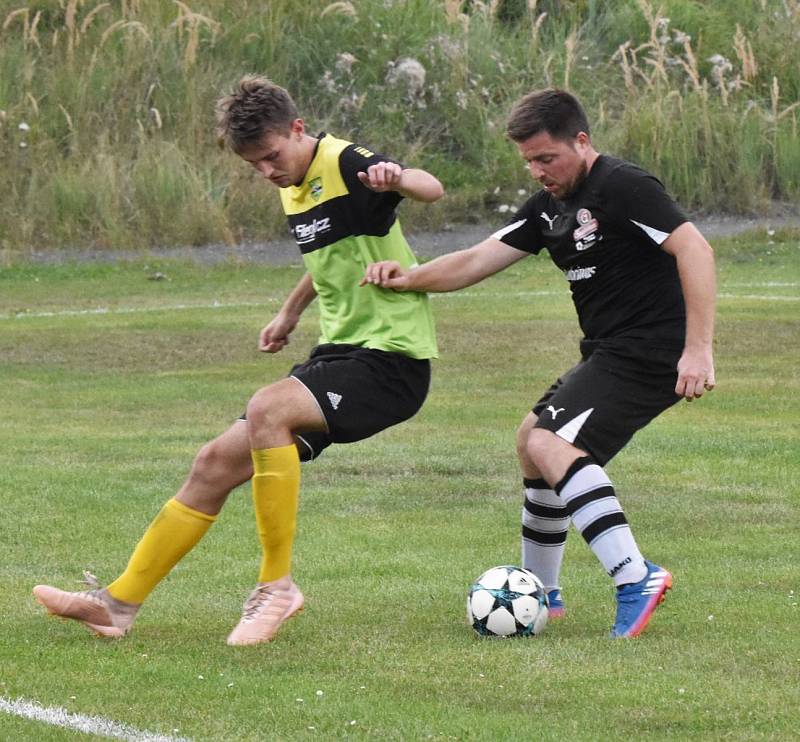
507, 601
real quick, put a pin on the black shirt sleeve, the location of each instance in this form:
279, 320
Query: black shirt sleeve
523, 231
355, 159
640, 202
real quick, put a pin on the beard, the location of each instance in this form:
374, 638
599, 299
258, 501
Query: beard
576, 182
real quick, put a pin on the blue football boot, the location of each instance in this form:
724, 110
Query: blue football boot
636, 602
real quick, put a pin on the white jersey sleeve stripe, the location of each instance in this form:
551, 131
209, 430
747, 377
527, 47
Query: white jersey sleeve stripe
500, 233
654, 234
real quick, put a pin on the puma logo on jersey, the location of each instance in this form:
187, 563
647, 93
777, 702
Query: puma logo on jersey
553, 411
305, 233
334, 399
550, 220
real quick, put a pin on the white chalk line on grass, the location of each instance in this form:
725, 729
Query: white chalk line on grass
135, 310
59, 717
103, 311
758, 297
763, 285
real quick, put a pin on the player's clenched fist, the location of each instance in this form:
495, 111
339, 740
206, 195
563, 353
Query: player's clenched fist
275, 336
381, 177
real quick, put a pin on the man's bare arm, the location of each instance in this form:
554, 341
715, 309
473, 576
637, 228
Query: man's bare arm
695, 259
275, 336
450, 272
412, 183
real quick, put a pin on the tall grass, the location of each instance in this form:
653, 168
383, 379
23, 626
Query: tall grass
106, 109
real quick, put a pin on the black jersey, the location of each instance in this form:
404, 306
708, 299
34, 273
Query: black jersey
605, 238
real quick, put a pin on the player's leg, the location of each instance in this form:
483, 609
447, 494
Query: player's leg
587, 420
544, 523
218, 468
590, 500
351, 393
273, 414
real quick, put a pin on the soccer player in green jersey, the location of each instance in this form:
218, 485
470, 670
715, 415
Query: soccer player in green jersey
370, 370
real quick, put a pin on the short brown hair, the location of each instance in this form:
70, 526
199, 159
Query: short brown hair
256, 107
555, 111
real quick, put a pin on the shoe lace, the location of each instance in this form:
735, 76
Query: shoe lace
256, 601
90, 579
92, 583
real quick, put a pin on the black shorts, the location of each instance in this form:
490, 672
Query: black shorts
360, 391
616, 389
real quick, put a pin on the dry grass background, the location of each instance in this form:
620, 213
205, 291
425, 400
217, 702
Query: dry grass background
106, 109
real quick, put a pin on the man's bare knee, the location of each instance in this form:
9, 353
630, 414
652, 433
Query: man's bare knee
529, 469
539, 444
206, 464
275, 412
214, 468
522, 441
269, 409
551, 454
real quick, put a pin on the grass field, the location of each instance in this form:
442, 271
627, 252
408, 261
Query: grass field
109, 382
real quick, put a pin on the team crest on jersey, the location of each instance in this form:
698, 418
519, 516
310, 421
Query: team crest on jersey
315, 186
586, 233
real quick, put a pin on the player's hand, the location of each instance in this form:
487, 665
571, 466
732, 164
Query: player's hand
382, 177
695, 374
387, 274
275, 336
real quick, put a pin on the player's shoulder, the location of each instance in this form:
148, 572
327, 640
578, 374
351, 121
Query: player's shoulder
342, 156
614, 173
538, 201
330, 148
354, 157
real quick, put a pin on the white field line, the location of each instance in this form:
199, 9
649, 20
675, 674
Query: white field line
758, 297
97, 725
101, 311
135, 310
763, 285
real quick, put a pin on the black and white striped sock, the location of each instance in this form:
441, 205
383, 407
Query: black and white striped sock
588, 496
544, 532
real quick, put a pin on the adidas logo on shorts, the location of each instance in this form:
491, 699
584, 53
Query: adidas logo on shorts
334, 399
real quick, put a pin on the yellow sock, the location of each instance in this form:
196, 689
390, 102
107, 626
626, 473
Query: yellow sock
173, 532
276, 489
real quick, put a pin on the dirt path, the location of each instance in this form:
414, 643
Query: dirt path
424, 244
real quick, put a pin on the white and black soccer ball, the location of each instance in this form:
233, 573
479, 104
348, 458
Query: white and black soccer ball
507, 601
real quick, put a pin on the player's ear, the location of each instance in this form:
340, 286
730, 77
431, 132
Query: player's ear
298, 128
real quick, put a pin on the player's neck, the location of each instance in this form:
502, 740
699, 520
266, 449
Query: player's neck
591, 158
309, 146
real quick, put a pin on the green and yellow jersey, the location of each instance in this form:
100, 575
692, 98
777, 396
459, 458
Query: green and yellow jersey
341, 226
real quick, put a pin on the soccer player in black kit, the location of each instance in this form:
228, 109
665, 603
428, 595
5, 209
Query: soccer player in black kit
643, 283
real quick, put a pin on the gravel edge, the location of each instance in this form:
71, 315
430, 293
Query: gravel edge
424, 244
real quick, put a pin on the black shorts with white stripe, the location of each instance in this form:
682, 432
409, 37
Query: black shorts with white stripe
360, 391
618, 387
